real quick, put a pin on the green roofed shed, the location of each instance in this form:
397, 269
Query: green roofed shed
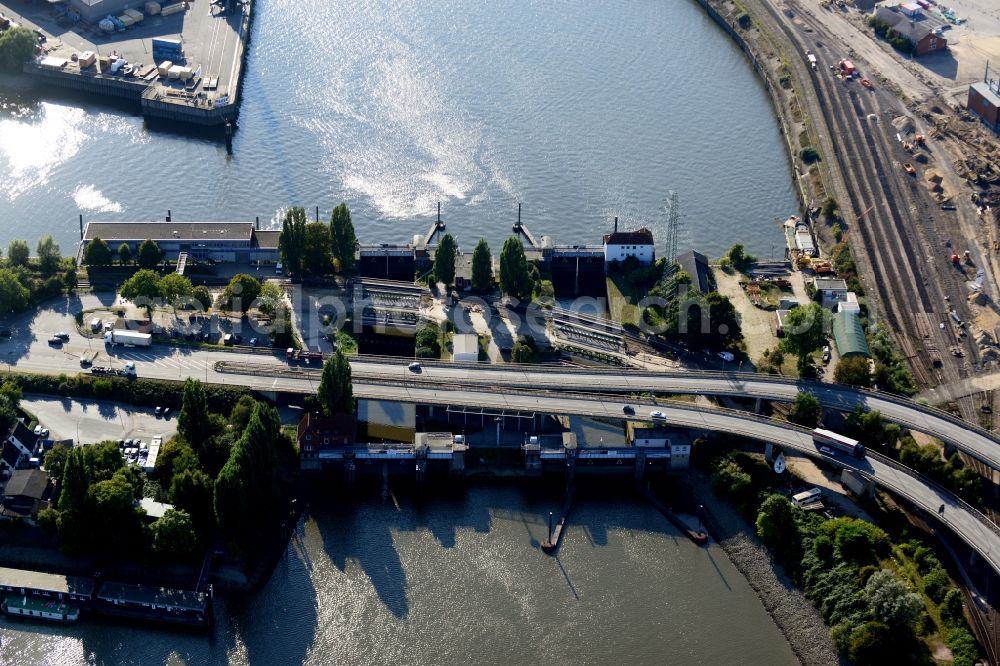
848, 335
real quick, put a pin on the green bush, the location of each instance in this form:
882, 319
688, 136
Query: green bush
963, 647
809, 155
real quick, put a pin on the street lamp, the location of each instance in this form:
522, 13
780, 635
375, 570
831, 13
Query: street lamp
498, 421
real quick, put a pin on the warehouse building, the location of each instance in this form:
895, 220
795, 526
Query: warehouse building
223, 242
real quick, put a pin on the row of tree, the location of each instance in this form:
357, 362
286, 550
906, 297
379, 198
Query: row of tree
26, 281
99, 253
315, 248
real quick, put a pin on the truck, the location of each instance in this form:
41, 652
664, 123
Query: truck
847, 67
812, 59
127, 338
294, 355
108, 371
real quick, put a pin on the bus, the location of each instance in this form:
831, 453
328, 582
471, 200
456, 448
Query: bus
831, 439
807, 497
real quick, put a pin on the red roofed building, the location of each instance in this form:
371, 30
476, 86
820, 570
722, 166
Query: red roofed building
620, 245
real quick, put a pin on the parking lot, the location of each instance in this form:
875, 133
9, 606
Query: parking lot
92, 421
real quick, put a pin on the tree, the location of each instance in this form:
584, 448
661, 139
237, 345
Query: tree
97, 252
444, 260
102, 460
830, 208
69, 279
10, 391
739, 258
482, 267
316, 257
292, 240
49, 256
282, 333
335, 394
73, 483
55, 462
428, 341
175, 457
203, 296
240, 415
18, 253
175, 287
149, 254
174, 535
124, 254
515, 280
192, 421
806, 410
805, 332
17, 46
14, 296
525, 350
271, 296
343, 241
143, 288
240, 293
853, 371
891, 600
114, 520
777, 528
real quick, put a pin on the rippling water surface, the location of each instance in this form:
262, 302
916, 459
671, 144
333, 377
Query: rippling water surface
580, 110
460, 581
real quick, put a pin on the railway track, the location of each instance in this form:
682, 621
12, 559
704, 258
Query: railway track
898, 236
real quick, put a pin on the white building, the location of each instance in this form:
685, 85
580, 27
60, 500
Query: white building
465, 348
620, 245
849, 304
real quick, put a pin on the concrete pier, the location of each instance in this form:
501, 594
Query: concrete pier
214, 48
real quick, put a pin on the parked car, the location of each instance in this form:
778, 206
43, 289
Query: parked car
55, 340
657, 414
414, 367
827, 451
253, 342
826, 354
63, 335
158, 411
628, 409
726, 356
166, 412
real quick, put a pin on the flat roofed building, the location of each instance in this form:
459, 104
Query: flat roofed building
45, 584
465, 348
226, 242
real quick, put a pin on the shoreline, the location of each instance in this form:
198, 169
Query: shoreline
796, 617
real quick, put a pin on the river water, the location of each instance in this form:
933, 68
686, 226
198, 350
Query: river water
460, 580
580, 110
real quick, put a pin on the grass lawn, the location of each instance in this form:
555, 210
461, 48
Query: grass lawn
622, 299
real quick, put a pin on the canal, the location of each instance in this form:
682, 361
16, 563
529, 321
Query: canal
581, 110
457, 580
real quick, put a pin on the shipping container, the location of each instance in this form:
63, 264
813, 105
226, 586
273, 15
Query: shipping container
137, 16
126, 20
152, 8
164, 67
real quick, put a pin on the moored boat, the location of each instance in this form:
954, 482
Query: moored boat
45, 609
